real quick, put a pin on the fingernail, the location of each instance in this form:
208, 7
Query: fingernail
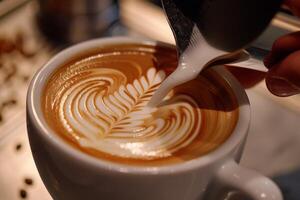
270, 60
282, 87
267, 60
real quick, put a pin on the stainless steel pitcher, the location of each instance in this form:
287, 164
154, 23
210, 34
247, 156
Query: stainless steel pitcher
71, 21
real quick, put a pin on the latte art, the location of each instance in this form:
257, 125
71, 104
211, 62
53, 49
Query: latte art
98, 104
112, 116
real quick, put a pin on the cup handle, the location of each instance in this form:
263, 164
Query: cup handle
233, 177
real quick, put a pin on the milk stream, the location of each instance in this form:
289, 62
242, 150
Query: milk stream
192, 61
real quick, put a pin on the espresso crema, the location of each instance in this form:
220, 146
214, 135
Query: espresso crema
97, 102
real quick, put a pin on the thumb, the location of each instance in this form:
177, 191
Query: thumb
283, 79
294, 6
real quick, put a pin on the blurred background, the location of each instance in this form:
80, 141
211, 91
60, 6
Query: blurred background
32, 31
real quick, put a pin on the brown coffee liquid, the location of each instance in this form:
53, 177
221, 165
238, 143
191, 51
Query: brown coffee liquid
97, 102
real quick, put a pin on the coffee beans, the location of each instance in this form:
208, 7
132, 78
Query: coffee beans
28, 181
23, 194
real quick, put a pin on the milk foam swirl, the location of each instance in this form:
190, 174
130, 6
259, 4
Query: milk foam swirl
97, 101
120, 123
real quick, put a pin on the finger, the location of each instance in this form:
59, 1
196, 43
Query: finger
294, 6
247, 77
282, 47
284, 78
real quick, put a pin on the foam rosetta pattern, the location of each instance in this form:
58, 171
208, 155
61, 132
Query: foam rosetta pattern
103, 112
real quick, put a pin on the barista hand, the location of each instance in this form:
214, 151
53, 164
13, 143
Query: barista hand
283, 62
283, 78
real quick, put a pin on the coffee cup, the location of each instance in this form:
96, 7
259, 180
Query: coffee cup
71, 174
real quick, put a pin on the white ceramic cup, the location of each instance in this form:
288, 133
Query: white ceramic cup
70, 174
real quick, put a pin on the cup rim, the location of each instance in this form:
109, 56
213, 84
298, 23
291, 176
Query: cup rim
34, 110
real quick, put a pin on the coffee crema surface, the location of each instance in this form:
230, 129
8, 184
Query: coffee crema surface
97, 102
